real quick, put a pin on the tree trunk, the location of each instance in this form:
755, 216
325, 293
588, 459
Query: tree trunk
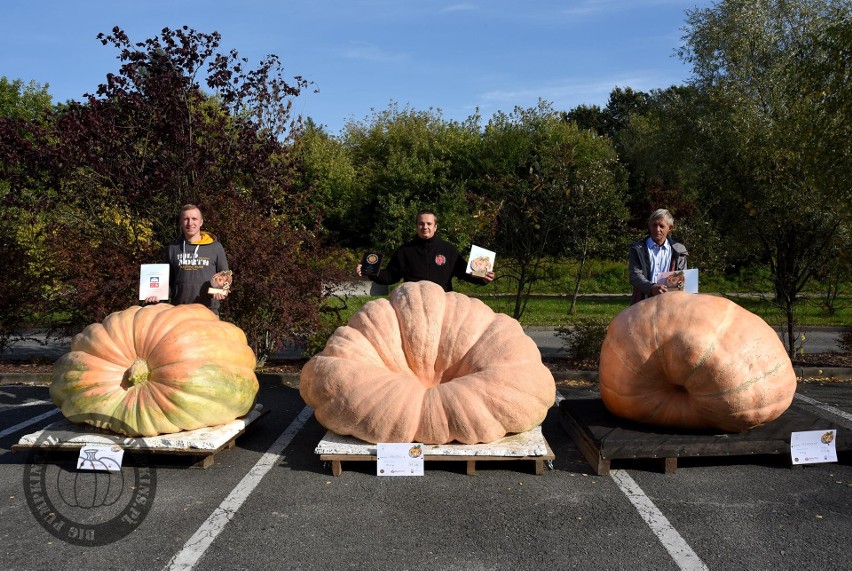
573, 307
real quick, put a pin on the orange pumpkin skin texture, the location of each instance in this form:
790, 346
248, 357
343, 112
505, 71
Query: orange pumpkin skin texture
154, 370
694, 361
428, 366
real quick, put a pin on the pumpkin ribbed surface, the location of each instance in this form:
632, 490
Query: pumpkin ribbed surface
428, 366
694, 361
156, 370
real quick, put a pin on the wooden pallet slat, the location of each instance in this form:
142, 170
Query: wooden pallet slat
203, 444
528, 446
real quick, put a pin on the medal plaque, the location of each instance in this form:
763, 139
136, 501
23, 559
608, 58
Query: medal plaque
371, 263
221, 283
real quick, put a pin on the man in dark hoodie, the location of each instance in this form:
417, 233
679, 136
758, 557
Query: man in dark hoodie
656, 254
193, 260
427, 257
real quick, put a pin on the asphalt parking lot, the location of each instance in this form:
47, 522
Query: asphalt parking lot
269, 502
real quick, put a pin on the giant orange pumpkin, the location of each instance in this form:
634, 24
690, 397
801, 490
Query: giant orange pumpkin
428, 366
694, 361
155, 370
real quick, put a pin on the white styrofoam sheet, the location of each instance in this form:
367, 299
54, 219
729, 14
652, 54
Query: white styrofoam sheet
66, 434
529, 443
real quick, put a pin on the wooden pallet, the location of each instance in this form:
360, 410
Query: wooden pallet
527, 446
202, 444
603, 437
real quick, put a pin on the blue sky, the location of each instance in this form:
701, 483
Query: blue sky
455, 56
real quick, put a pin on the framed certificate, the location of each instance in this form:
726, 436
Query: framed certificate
154, 281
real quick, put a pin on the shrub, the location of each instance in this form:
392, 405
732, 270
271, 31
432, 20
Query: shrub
582, 338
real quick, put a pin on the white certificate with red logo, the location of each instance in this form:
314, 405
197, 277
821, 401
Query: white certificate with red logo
154, 281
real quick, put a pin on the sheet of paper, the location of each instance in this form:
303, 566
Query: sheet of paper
813, 446
687, 280
480, 261
399, 459
100, 457
154, 281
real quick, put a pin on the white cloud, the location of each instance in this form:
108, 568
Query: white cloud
369, 52
569, 93
588, 7
465, 7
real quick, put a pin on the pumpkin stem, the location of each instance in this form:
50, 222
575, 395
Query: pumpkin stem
138, 372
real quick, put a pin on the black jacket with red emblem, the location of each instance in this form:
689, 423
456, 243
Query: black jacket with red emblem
434, 260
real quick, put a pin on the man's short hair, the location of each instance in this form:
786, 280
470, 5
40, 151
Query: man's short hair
662, 213
426, 211
186, 207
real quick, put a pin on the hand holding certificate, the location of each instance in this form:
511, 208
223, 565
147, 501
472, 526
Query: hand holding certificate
154, 282
680, 280
481, 261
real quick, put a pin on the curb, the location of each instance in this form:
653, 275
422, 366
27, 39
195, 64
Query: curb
33, 379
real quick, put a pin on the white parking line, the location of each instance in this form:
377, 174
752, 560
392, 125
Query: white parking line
26, 423
203, 538
682, 554
20, 404
826, 407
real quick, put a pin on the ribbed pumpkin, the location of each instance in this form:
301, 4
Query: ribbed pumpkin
155, 370
428, 366
694, 361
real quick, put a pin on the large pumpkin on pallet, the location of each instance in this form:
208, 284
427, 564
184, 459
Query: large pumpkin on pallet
156, 370
428, 366
694, 361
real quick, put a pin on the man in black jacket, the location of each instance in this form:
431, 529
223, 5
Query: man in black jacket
427, 257
655, 254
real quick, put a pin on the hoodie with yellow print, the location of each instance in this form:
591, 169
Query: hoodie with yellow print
191, 265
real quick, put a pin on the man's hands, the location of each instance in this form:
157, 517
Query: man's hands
657, 289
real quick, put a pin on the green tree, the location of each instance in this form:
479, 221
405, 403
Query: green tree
407, 160
329, 177
775, 91
555, 190
30, 102
25, 116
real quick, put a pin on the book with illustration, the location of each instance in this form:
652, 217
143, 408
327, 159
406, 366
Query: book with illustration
480, 261
684, 280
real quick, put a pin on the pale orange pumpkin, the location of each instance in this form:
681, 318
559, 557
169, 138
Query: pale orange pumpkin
428, 366
155, 370
694, 361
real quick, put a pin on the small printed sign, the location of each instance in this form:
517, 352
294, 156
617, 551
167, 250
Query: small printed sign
813, 446
154, 281
399, 459
100, 458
